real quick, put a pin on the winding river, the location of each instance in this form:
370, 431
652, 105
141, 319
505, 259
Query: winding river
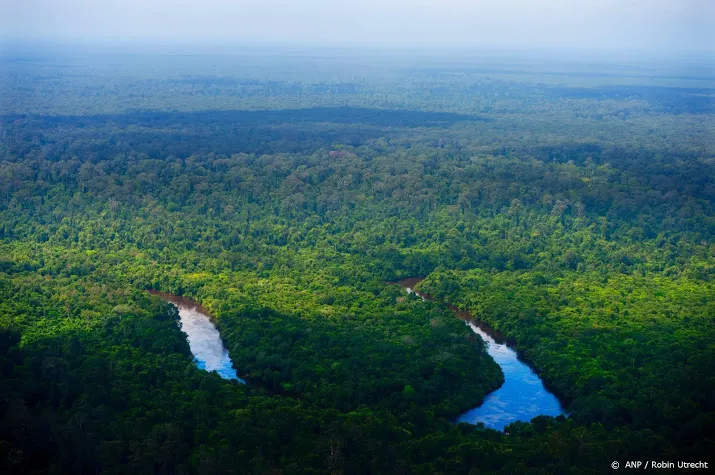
522, 396
204, 339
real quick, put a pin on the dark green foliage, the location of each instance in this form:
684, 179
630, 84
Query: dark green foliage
576, 220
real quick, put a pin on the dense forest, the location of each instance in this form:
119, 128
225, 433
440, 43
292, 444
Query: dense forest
572, 208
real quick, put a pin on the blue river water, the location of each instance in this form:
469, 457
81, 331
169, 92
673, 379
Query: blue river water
204, 339
522, 396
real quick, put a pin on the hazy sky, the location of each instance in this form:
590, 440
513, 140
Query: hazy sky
672, 25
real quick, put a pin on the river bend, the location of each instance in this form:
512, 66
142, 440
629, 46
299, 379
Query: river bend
522, 396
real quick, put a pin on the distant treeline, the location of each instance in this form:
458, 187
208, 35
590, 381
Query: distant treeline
579, 222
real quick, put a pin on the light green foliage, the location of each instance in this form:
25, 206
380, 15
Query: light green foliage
577, 220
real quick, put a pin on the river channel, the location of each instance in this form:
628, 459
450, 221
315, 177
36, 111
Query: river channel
204, 339
522, 396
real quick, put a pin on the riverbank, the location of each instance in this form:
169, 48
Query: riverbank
523, 395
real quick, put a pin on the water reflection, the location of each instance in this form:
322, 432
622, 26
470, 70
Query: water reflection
204, 339
522, 396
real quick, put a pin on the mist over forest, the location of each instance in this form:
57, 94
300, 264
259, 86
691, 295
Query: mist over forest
563, 200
